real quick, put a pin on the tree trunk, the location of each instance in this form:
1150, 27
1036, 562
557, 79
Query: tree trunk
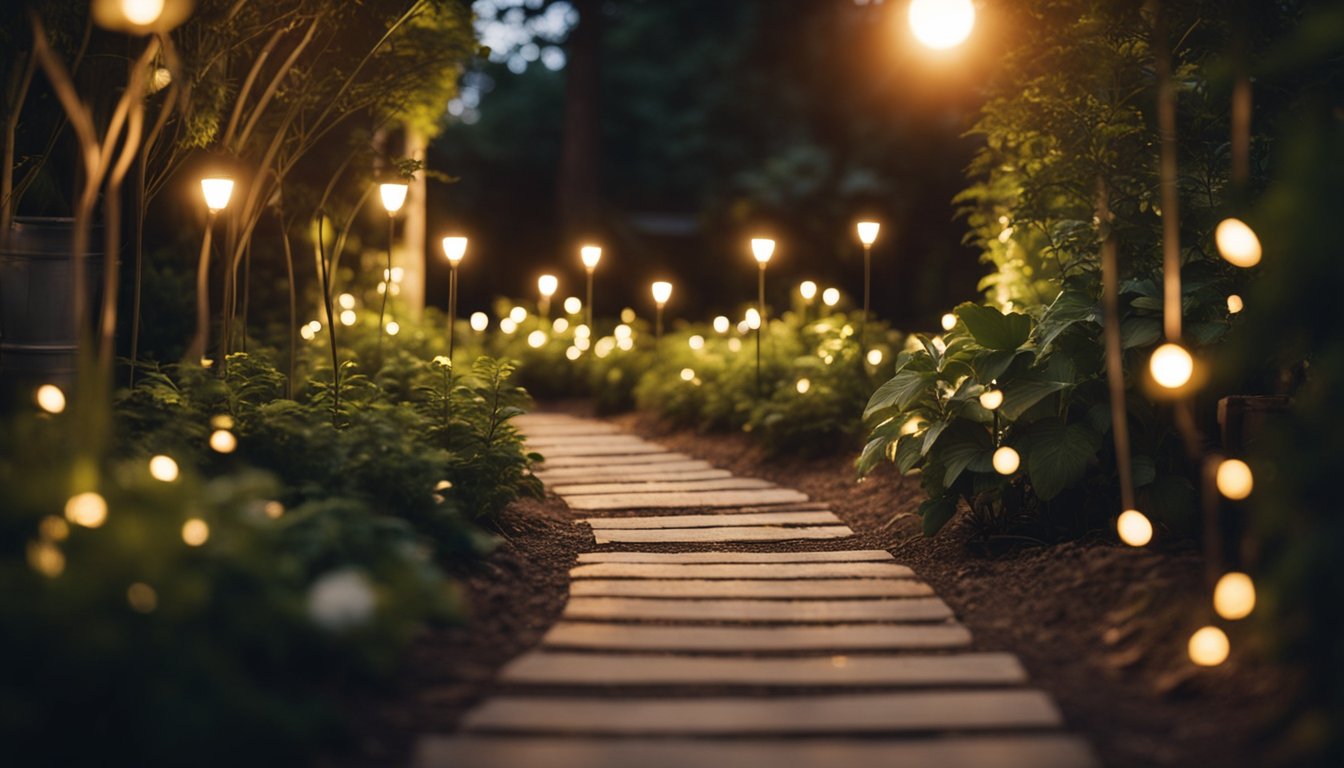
577, 188
412, 246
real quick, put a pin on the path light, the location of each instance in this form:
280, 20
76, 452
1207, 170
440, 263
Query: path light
163, 469
479, 322
1235, 304
195, 532
573, 305
50, 398
830, 297
1134, 528
1171, 366
1006, 460
762, 248
88, 509
590, 255
216, 190
1237, 243
662, 291
867, 235
941, 24
1234, 596
1234, 479
393, 195
991, 399
454, 248
949, 321
722, 324
547, 285
1209, 646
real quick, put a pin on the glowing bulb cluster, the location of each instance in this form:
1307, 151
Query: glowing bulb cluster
454, 249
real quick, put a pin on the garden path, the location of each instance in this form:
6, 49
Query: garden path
724, 621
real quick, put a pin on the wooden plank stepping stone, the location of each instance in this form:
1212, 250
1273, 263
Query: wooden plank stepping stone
818, 556
849, 713
669, 471
766, 589
686, 499
877, 570
1024, 751
712, 521
696, 535
664, 486
839, 637
641, 459
556, 668
747, 611
599, 449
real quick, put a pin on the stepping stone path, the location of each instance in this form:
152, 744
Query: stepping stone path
798, 657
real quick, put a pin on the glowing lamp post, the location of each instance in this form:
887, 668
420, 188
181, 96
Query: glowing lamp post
662, 291
547, 285
942, 24
762, 248
867, 235
591, 255
454, 248
216, 190
393, 195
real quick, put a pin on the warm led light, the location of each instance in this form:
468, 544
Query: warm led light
54, 528
582, 331
394, 196
1209, 647
223, 441
547, 285
753, 319
50, 398
722, 324
1234, 596
1006, 460
560, 325
803, 386
479, 321
142, 598
346, 300
991, 399
348, 317
734, 345
662, 291
573, 306
142, 12
316, 325
163, 469
949, 321
87, 509
1134, 528
697, 342
591, 255
454, 248
875, 357
217, 191
398, 274
221, 421
687, 374
46, 558
762, 248
573, 353
1171, 366
517, 314
1234, 479
941, 24
307, 333
1235, 304
536, 339
1237, 243
393, 327
195, 532
622, 331
273, 510
830, 297
507, 325
604, 346
808, 290
868, 231
625, 344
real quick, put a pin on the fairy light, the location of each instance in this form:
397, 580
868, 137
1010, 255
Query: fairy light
221, 421
808, 290
508, 325
1171, 366
734, 345
573, 305
991, 399
803, 386
949, 321
1134, 528
582, 331
687, 374
560, 325
696, 342
517, 314
1235, 304
306, 332
875, 357
830, 297
622, 331
223, 441
722, 324
163, 469
1006, 460
753, 319
536, 339
479, 321
346, 300
573, 353
1209, 646
50, 398
273, 510
53, 528
1234, 479
88, 509
142, 598
1234, 596
1237, 243
195, 532
45, 558
348, 317
393, 327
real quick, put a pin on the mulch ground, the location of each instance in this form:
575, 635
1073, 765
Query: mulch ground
1101, 627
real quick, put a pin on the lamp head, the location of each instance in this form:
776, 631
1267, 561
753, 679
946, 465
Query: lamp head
591, 254
217, 191
547, 285
662, 291
454, 248
394, 196
868, 231
762, 248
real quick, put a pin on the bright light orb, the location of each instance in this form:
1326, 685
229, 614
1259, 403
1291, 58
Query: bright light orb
1234, 596
517, 314
622, 331
454, 249
1234, 479
1006, 460
394, 196
217, 191
697, 342
662, 291
949, 321
1237, 243
479, 321
88, 509
1171, 366
348, 317
721, 324
223, 441
50, 398
1209, 646
573, 353
1134, 528
582, 331
142, 12
307, 333
508, 326
868, 231
734, 345
547, 285
830, 297
991, 399
560, 325
803, 386
753, 319
942, 24
626, 344
687, 374
273, 509
346, 300
536, 339
195, 532
591, 255
808, 290
1235, 304
875, 357
573, 306
393, 327
762, 248
163, 469
628, 315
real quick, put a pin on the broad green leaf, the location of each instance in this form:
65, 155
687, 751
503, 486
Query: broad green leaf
931, 436
991, 364
872, 455
900, 391
1023, 392
1140, 332
936, 513
907, 453
1059, 455
992, 329
1144, 470
1068, 309
965, 446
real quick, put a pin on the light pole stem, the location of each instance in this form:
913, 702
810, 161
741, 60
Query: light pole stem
198, 341
867, 289
590, 300
387, 285
452, 310
760, 309
658, 325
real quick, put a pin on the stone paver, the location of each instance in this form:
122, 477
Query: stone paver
747, 533
778, 589
756, 639
578, 669
685, 499
663, 486
715, 521
668, 472
878, 570
646, 460
849, 713
1025, 751
751, 611
569, 450
822, 556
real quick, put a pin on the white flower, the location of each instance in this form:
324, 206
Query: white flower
340, 600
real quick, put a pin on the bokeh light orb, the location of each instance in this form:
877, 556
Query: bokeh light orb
1237, 243
1234, 479
949, 321
1235, 304
1134, 528
1209, 646
1171, 366
1234, 596
991, 399
88, 509
50, 398
942, 24
1006, 460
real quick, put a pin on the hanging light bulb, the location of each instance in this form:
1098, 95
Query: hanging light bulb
1171, 366
991, 399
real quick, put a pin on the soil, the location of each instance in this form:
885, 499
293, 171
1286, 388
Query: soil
1099, 626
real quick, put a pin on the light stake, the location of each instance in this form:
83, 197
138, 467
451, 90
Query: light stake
591, 255
547, 285
867, 235
762, 248
393, 195
216, 190
454, 248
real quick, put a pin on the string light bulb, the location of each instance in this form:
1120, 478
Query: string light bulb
1234, 479
1171, 366
1234, 596
1237, 243
991, 399
1134, 528
1006, 460
1209, 646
